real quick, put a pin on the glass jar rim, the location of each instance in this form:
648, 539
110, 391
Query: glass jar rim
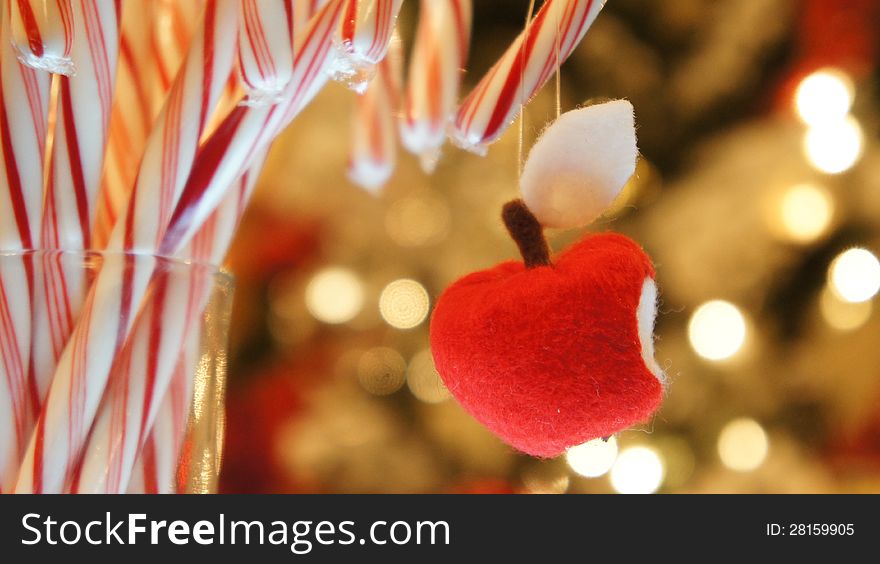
220, 274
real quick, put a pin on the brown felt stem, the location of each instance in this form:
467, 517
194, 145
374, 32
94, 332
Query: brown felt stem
528, 233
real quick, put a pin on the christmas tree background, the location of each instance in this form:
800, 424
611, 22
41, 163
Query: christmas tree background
744, 202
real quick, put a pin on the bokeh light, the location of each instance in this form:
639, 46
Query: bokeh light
717, 330
824, 96
805, 211
404, 304
855, 275
593, 458
423, 380
834, 147
334, 295
742, 445
843, 315
637, 470
381, 371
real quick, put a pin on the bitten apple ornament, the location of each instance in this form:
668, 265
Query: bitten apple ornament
551, 353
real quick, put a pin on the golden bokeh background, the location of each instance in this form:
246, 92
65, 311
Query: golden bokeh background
757, 194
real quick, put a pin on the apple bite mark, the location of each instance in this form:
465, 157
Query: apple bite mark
646, 314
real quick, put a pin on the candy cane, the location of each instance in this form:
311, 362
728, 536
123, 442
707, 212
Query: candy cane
523, 69
145, 366
42, 34
171, 149
157, 461
150, 55
438, 59
130, 119
73, 178
239, 141
158, 458
19, 397
247, 131
374, 144
303, 11
24, 98
364, 35
265, 49
107, 314
170, 40
24, 101
139, 376
211, 242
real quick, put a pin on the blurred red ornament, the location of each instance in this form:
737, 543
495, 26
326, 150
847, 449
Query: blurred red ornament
841, 33
255, 413
268, 242
259, 408
859, 449
833, 33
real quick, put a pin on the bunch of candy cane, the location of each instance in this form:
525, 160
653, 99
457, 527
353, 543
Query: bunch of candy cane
138, 129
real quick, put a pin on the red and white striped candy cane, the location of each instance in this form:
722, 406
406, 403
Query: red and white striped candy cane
239, 142
24, 103
24, 100
107, 315
157, 461
19, 396
211, 242
156, 467
108, 312
247, 131
42, 33
145, 366
170, 37
438, 59
364, 34
24, 106
265, 49
140, 375
155, 39
303, 10
170, 151
374, 142
73, 179
523, 69
149, 57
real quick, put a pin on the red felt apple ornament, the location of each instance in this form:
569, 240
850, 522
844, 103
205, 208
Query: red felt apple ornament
551, 353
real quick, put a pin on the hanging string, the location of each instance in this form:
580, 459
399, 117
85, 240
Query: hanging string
522, 113
558, 73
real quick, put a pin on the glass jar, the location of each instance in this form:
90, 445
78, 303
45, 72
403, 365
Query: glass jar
140, 413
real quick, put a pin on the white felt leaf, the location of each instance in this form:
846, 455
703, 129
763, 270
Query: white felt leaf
580, 164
